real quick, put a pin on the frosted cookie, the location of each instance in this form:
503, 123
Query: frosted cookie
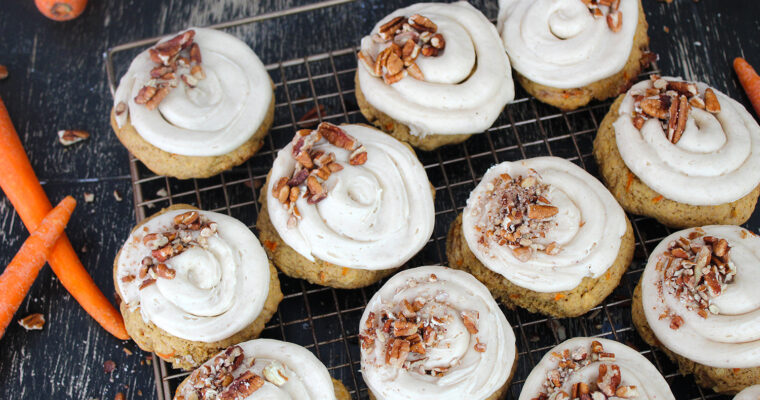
435, 333
344, 206
750, 393
262, 369
568, 52
194, 105
544, 235
698, 301
681, 152
594, 368
433, 74
192, 283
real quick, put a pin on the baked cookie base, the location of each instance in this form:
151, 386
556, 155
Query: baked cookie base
570, 99
185, 167
294, 265
570, 303
400, 131
183, 353
638, 198
497, 395
721, 380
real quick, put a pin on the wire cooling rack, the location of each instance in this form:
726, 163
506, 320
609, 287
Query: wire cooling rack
320, 87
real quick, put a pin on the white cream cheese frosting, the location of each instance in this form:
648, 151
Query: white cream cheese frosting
287, 371
558, 43
376, 215
221, 281
635, 370
217, 116
749, 393
729, 338
465, 87
470, 357
587, 228
716, 161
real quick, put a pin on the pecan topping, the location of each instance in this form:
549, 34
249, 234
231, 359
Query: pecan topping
242, 387
614, 16
670, 102
607, 384
696, 269
171, 63
407, 38
313, 167
517, 215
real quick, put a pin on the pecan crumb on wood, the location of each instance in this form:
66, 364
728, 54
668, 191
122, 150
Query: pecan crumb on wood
33, 322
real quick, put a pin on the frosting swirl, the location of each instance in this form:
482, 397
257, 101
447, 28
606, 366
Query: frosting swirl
750, 393
716, 160
216, 116
587, 355
583, 238
219, 279
727, 337
274, 370
468, 345
559, 43
466, 86
376, 215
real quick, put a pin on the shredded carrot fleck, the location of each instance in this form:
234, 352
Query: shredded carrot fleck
270, 245
657, 199
581, 224
607, 276
736, 370
344, 271
733, 213
389, 126
629, 182
460, 262
558, 296
514, 296
322, 276
744, 234
167, 355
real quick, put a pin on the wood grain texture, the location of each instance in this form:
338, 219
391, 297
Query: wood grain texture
57, 81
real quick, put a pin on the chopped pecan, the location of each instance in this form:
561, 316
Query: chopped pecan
242, 387
684, 88
195, 53
437, 41
368, 62
69, 136
394, 64
358, 156
197, 72
415, 72
404, 328
186, 218
469, 322
711, 101
388, 29
422, 24
145, 94
654, 108
33, 322
538, 211
163, 271
615, 20
154, 101
336, 136
683, 116
608, 379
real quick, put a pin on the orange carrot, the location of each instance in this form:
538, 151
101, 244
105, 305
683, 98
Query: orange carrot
19, 275
750, 82
20, 184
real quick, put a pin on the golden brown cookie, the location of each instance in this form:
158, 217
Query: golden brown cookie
570, 99
185, 167
182, 353
638, 198
569, 303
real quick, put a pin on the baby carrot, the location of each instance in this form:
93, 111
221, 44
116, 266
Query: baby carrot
19, 275
750, 82
22, 188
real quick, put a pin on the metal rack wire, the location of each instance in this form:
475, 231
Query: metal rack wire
326, 320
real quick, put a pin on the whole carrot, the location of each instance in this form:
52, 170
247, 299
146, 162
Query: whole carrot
20, 184
19, 275
750, 82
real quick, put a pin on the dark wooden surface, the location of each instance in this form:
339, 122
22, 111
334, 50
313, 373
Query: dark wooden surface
57, 81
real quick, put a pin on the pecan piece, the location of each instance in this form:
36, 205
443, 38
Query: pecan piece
391, 79
197, 72
163, 271
469, 322
298, 178
404, 328
242, 387
186, 218
388, 30
394, 64
711, 101
422, 24
538, 211
615, 20
358, 156
145, 94
397, 352
415, 72
437, 41
522, 253
721, 248
33, 322
683, 116
654, 108
195, 53
368, 62
608, 379
685, 88
336, 136
157, 98
69, 136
